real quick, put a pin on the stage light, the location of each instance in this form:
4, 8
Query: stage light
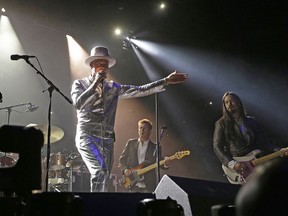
76, 57
118, 31
126, 44
9, 42
162, 5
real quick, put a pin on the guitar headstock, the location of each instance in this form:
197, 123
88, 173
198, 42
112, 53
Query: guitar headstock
181, 154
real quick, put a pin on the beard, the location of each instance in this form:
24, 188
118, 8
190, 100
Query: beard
232, 110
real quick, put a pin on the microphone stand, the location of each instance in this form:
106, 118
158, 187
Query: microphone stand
50, 89
9, 109
158, 141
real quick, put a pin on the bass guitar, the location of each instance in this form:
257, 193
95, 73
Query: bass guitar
236, 178
130, 181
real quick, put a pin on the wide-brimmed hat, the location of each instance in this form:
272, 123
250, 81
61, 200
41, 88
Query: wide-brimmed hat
100, 52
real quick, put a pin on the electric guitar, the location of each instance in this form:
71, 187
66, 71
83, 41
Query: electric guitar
236, 178
130, 181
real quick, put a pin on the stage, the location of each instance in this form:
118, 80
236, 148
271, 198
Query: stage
201, 196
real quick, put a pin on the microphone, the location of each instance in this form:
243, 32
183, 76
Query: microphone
31, 108
164, 127
102, 74
16, 57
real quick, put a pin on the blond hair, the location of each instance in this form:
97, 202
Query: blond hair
147, 121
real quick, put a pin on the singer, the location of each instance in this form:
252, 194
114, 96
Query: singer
95, 100
137, 152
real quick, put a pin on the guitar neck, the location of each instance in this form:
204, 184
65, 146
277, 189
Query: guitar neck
267, 157
152, 166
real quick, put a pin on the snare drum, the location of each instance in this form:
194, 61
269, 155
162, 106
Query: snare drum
57, 161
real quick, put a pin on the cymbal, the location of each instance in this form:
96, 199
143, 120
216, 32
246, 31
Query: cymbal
56, 133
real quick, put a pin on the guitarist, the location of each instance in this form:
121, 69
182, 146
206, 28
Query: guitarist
139, 151
236, 135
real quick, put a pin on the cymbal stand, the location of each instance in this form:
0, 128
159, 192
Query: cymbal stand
114, 181
70, 179
9, 110
81, 175
50, 89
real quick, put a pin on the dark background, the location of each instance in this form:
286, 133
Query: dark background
238, 46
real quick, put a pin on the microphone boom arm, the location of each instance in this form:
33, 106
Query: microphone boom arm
51, 85
9, 109
17, 105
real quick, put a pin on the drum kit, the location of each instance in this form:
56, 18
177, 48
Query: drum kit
62, 167
66, 172
62, 171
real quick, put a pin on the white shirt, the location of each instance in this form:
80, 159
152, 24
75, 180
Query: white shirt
142, 148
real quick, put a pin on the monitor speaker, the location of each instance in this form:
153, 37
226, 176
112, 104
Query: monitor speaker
194, 195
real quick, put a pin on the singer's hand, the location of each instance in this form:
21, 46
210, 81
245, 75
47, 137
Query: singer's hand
100, 76
176, 77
